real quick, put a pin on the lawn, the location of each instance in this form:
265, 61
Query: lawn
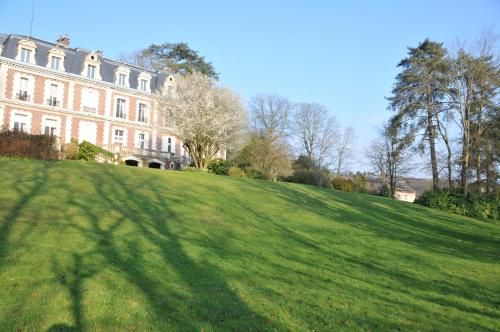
87, 247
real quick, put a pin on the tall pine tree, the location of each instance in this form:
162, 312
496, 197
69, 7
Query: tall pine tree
419, 91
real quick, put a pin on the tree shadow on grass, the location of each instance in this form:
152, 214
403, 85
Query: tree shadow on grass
211, 303
35, 183
411, 225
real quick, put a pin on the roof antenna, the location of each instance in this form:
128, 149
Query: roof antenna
32, 15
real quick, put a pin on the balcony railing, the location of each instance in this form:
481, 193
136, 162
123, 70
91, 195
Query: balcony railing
89, 109
23, 95
143, 153
52, 101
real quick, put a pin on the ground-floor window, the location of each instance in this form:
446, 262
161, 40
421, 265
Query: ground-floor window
50, 127
118, 138
20, 122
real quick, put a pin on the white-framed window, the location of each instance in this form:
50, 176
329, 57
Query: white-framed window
168, 144
53, 94
121, 76
91, 71
121, 108
55, 63
118, 136
20, 120
26, 49
56, 59
142, 113
90, 100
50, 127
23, 89
91, 66
144, 85
25, 55
121, 79
141, 140
143, 82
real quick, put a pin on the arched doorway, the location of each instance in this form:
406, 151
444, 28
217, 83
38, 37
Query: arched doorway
154, 164
131, 162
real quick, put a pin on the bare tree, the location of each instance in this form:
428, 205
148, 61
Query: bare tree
270, 157
207, 117
317, 132
270, 115
344, 148
389, 155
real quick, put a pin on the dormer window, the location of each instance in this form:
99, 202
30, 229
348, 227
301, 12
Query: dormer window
25, 55
26, 51
91, 71
121, 76
121, 79
56, 59
91, 67
143, 82
55, 63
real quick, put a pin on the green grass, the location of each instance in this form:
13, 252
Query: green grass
99, 247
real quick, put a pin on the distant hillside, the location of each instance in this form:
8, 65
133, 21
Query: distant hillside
87, 247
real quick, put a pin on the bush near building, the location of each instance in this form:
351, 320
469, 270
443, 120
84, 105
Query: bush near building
88, 151
16, 143
218, 166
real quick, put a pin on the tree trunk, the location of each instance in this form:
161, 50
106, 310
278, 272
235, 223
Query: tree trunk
432, 144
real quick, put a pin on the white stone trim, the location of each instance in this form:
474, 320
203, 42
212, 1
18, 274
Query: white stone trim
28, 114
153, 140
105, 136
2, 109
3, 80
108, 103
67, 129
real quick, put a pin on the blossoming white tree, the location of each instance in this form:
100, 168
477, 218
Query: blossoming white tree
207, 117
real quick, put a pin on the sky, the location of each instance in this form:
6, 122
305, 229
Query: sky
342, 54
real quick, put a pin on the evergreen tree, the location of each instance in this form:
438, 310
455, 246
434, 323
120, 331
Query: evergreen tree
419, 91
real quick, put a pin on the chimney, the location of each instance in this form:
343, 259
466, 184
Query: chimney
63, 41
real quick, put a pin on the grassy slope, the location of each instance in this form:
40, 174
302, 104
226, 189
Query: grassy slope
86, 246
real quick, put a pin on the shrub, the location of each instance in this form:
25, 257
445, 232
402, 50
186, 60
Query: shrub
476, 205
190, 169
70, 150
88, 151
236, 171
312, 177
342, 184
15, 143
218, 166
253, 173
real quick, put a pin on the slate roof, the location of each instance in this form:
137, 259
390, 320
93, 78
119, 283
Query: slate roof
74, 58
